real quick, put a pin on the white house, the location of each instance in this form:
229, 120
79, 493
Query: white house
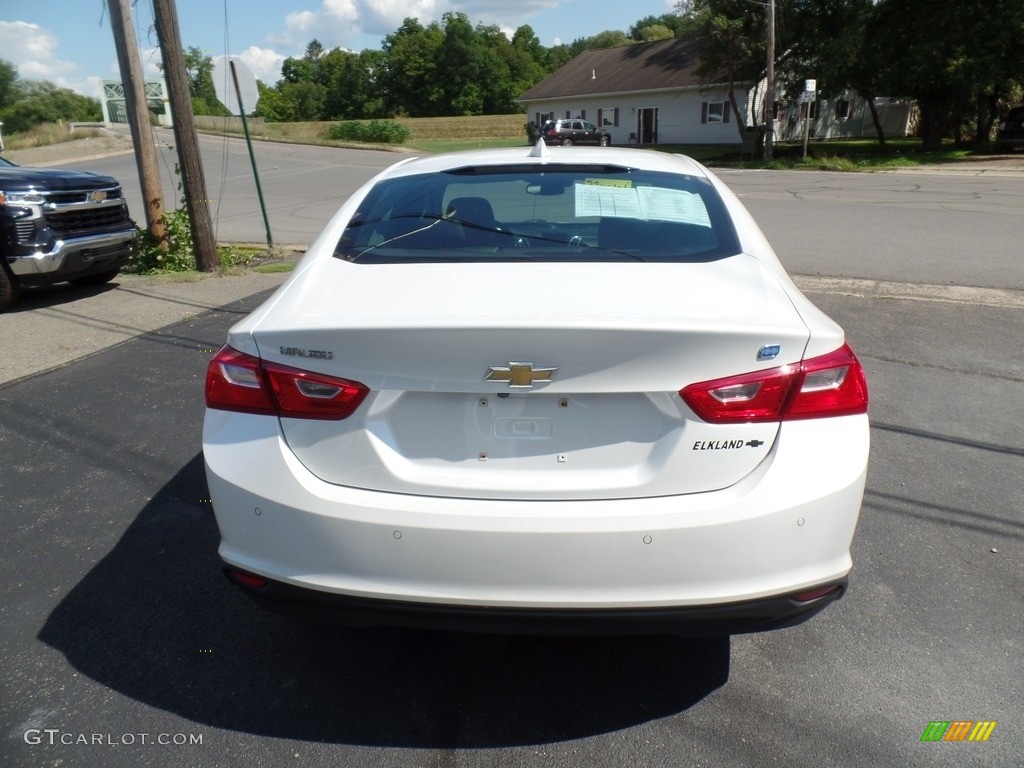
845, 117
649, 93
646, 93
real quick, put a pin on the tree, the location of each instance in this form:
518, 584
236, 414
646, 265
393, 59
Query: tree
527, 63
367, 78
32, 102
678, 25
954, 58
461, 62
610, 38
411, 79
654, 32
498, 59
830, 43
8, 76
272, 105
733, 47
199, 70
335, 72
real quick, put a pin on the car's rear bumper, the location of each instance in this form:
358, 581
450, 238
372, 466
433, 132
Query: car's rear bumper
737, 554
731, 618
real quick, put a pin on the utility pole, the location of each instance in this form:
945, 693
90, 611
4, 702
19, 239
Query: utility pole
138, 117
193, 182
769, 113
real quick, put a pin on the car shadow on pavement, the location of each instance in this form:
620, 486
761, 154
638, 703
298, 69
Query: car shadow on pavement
157, 622
39, 297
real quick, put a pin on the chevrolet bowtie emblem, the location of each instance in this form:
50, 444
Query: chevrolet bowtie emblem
97, 197
519, 375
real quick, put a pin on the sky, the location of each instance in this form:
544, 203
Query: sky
70, 42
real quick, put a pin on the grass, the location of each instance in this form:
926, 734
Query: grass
426, 134
856, 155
448, 134
46, 134
270, 269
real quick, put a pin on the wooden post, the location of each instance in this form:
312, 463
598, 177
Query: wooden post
193, 182
134, 86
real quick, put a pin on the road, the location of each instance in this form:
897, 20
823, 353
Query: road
117, 628
302, 185
936, 228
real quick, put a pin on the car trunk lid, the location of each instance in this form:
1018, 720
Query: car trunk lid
531, 380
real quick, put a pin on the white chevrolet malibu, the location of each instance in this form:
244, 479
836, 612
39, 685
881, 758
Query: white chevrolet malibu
548, 390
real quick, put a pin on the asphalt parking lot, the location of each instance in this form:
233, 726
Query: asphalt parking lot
117, 622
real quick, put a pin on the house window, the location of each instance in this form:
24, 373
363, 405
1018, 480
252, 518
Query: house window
714, 112
814, 110
608, 117
844, 109
776, 110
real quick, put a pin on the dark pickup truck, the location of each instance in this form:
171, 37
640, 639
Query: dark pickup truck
59, 225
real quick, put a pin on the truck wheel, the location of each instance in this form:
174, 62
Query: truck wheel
9, 286
98, 279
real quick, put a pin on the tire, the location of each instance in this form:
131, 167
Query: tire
98, 279
566, 142
10, 289
603, 141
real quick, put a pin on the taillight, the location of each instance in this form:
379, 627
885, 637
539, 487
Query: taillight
830, 385
239, 382
234, 382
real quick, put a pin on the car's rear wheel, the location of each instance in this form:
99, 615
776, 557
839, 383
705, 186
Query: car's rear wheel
566, 142
98, 279
603, 141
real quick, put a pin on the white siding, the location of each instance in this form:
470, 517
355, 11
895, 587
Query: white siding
678, 116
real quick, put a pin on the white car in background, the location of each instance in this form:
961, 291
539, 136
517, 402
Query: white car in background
547, 390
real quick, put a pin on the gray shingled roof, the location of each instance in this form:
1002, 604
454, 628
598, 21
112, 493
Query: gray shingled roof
626, 69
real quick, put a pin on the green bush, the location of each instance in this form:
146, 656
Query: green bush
370, 131
532, 133
180, 254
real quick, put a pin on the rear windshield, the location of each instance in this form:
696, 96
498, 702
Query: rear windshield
549, 213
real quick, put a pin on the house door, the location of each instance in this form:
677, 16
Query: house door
647, 125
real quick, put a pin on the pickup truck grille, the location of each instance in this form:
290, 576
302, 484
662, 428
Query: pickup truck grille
80, 196
85, 219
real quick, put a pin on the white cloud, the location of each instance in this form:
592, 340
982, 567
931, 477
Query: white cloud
265, 63
382, 17
32, 49
341, 23
504, 14
336, 22
151, 64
